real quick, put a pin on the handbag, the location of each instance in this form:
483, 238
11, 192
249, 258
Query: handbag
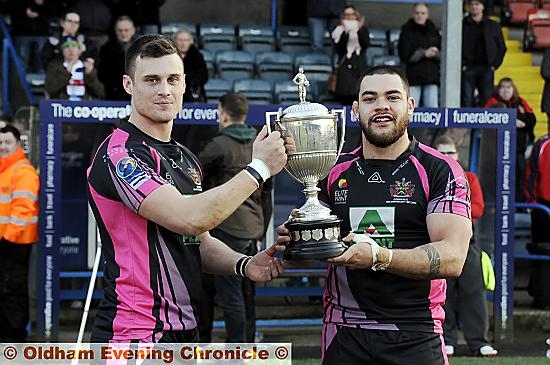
333, 78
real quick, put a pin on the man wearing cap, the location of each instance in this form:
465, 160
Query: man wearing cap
72, 78
483, 50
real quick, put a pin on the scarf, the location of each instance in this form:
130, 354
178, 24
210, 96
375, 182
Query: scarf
352, 27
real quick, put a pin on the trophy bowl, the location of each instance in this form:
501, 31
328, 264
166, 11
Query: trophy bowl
311, 141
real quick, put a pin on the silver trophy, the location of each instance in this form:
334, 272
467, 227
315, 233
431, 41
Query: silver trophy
311, 136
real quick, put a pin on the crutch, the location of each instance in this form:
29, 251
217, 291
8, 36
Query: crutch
88, 297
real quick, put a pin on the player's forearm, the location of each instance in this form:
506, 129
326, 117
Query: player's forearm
217, 257
207, 210
430, 261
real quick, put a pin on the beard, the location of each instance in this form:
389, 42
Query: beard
386, 139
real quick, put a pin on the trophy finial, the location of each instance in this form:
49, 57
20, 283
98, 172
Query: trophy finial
301, 80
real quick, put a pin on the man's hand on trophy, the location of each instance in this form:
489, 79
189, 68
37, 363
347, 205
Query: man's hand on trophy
269, 148
264, 266
359, 255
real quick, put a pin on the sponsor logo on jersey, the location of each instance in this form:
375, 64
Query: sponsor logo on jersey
377, 222
342, 184
191, 240
341, 195
128, 169
376, 178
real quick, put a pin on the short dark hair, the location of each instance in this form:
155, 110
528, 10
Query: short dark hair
236, 105
385, 70
148, 45
11, 129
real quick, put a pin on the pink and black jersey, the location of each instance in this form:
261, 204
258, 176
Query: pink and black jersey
389, 200
151, 273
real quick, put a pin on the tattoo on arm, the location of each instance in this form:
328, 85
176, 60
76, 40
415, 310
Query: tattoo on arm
434, 260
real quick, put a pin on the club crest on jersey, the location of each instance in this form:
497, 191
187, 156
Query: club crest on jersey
128, 169
341, 194
402, 189
194, 175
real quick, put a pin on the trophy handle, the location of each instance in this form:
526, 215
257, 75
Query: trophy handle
268, 116
342, 113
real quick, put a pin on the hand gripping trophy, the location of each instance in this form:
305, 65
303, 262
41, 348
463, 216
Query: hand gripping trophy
310, 134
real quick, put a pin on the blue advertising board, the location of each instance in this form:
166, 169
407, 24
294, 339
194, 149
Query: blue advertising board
57, 247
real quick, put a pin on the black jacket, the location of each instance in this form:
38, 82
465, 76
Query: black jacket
196, 75
545, 73
224, 157
414, 39
111, 69
22, 25
494, 42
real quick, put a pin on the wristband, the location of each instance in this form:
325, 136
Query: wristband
385, 265
374, 249
240, 266
253, 174
261, 168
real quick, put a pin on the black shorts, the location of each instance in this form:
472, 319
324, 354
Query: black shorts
350, 346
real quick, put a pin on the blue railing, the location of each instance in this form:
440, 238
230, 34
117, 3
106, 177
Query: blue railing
8, 51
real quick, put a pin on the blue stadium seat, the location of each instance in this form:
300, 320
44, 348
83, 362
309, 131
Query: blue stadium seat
294, 39
256, 38
234, 65
209, 59
215, 88
389, 60
393, 37
378, 44
317, 66
169, 28
273, 66
286, 92
217, 37
256, 91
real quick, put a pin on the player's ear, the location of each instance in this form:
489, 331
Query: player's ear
127, 84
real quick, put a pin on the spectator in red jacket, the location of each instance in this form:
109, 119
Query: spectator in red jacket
466, 293
537, 190
507, 93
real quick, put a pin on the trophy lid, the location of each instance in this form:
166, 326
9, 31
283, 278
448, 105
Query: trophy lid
305, 110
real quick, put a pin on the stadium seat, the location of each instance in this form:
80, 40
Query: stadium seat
209, 59
317, 66
515, 11
256, 91
393, 37
273, 66
537, 30
234, 65
254, 38
389, 60
294, 40
215, 88
217, 37
169, 28
378, 44
286, 92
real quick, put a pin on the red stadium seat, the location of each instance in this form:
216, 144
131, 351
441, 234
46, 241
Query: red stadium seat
537, 31
515, 11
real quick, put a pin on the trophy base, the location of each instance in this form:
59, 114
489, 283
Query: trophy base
315, 240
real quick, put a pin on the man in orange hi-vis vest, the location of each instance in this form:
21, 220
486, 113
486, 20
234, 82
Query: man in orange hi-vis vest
19, 186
